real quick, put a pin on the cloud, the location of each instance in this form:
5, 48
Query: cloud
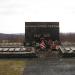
11, 11
14, 13
11, 8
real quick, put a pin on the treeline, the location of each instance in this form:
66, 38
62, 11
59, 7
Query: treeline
20, 38
70, 37
11, 38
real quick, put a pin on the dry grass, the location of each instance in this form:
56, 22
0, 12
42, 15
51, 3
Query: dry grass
12, 67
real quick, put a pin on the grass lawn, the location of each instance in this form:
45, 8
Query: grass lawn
12, 66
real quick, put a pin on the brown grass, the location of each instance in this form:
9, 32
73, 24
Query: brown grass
12, 67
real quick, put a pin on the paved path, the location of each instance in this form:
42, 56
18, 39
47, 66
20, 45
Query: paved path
50, 66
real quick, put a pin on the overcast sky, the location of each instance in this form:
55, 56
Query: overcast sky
14, 14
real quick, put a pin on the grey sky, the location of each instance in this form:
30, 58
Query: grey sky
14, 13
